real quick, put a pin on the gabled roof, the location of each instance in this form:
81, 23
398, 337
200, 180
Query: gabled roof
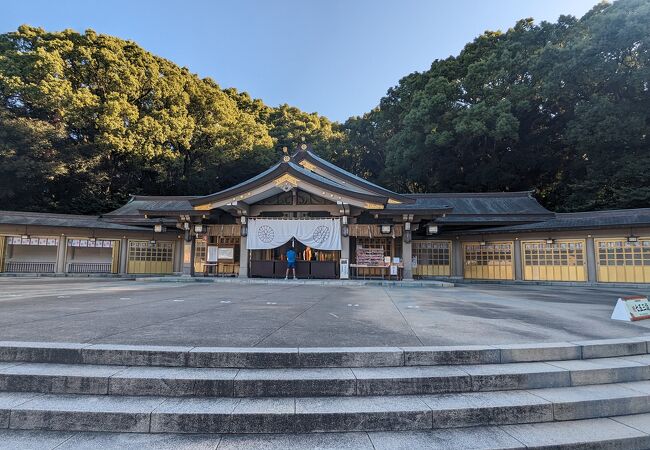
351, 179
147, 210
579, 221
139, 203
276, 171
483, 208
494, 208
60, 220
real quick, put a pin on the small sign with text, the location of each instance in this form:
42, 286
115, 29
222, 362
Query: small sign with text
631, 309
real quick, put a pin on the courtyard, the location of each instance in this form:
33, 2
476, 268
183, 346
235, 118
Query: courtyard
298, 315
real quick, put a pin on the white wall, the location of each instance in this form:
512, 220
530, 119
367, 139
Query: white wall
31, 253
89, 254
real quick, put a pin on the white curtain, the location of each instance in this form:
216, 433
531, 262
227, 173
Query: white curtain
320, 234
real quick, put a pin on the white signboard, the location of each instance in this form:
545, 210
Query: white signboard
17, 240
393, 270
631, 309
344, 270
212, 254
87, 243
225, 253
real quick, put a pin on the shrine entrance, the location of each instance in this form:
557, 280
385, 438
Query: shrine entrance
317, 243
310, 263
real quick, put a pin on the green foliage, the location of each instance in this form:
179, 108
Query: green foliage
562, 108
87, 119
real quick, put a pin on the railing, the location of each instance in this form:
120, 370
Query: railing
89, 267
29, 267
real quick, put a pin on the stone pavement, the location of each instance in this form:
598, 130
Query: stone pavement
290, 315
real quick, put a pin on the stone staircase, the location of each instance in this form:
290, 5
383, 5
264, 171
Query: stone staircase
592, 394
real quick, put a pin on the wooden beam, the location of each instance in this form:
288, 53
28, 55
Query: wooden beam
256, 210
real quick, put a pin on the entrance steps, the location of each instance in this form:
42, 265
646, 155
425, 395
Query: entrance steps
504, 396
622, 432
302, 281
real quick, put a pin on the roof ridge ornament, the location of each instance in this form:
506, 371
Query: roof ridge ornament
286, 158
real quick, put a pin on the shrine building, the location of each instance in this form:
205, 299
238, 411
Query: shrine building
341, 226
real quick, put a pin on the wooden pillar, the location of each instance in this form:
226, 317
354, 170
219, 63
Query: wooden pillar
3, 245
115, 257
407, 255
345, 251
517, 259
177, 266
345, 247
59, 267
243, 257
124, 255
590, 256
458, 259
189, 247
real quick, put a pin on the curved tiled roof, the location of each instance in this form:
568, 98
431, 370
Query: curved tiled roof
484, 203
280, 169
477, 208
252, 180
501, 211
151, 203
352, 178
59, 220
581, 220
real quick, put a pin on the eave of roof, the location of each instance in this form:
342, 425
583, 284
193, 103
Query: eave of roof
460, 219
500, 194
154, 213
404, 209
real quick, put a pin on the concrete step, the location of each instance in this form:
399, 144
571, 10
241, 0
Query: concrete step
303, 281
344, 357
309, 382
623, 432
319, 414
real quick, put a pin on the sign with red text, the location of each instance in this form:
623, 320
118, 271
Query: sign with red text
631, 309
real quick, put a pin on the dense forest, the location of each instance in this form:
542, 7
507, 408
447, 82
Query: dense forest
560, 108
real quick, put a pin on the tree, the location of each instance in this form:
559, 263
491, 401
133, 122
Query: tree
124, 121
560, 108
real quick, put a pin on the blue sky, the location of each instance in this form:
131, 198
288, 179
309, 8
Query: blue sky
335, 57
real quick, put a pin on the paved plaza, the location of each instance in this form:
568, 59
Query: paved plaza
290, 315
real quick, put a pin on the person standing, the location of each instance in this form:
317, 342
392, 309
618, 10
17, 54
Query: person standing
291, 263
